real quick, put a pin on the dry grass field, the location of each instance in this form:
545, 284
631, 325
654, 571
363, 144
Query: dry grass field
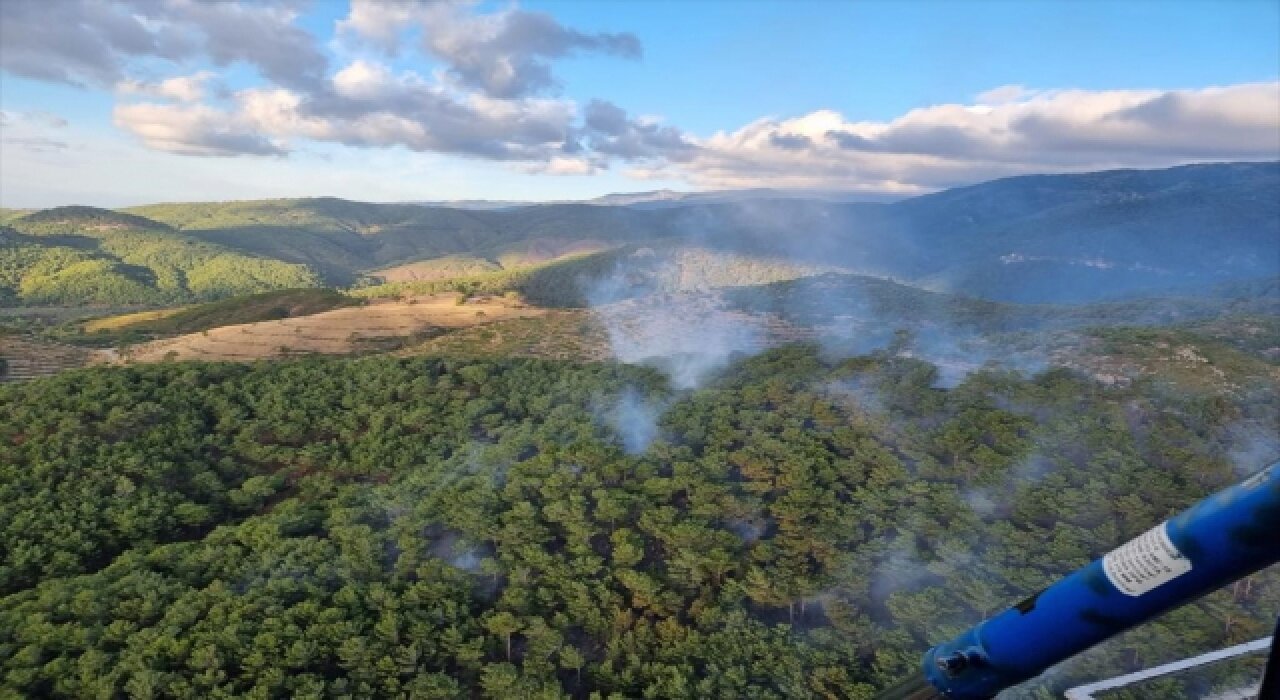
339, 331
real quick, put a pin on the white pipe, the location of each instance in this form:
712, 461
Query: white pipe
1085, 692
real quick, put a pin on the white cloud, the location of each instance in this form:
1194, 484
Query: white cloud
502, 54
489, 101
94, 42
1020, 132
35, 118
925, 149
379, 22
366, 107
183, 88
560, 165
111, 171
197, 130
362, 80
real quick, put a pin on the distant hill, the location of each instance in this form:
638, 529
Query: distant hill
444, 267
82, 255
1100, 235
339, 238
1187, 231
828, 299
581, 279
7, 215
666, 198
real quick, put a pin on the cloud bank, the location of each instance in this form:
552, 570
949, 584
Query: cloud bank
494, 95
1006, 131
505, 54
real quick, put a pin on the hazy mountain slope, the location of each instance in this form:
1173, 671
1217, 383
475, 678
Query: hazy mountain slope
335, 237
340, 238
7, 215
1051, 238
579, 280
78, 255
1059, 238
1079, 237
831, 298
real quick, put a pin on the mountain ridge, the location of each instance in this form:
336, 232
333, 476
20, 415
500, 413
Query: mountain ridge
1032, 239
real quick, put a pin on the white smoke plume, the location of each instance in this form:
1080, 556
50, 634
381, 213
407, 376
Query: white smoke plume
634, 418
688, 337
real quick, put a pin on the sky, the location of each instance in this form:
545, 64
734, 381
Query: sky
122, 102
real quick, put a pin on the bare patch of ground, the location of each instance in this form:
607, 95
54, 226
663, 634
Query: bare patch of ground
339, 331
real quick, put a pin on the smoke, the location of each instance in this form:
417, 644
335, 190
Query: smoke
467, 560
634, 418
1252, 446
982, 503
687, 336
995, 502
451, 547
859, 391
690, 322
736, 279
901, 571
749, 530
957, 352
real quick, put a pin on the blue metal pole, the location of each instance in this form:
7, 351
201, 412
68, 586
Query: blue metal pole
1227, 536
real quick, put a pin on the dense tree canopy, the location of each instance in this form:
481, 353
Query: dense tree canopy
438, 528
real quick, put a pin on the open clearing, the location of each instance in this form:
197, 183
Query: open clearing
338, 331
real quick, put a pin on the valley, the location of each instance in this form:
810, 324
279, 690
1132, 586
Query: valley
520, 451
547, 350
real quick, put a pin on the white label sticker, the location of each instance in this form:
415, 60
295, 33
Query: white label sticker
1145, 562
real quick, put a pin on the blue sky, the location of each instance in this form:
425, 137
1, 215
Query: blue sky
572, 99
876, 60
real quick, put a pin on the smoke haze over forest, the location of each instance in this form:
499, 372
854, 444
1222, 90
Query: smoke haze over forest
515, 349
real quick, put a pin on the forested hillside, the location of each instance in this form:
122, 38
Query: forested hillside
576, 280
802, 527
340, 238
783, 447
81, 255
1059, 238
1050, 238
824, 299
